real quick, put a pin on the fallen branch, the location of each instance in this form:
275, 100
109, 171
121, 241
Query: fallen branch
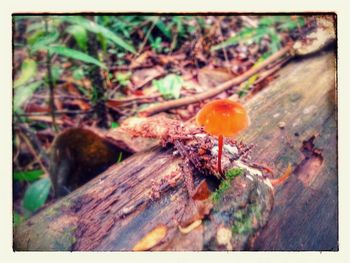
122, 206
217, 90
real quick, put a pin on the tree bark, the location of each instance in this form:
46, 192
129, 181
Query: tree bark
293, 121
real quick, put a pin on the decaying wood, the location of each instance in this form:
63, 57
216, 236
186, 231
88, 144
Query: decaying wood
292, 122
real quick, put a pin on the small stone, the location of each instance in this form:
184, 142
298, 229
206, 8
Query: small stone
281, 124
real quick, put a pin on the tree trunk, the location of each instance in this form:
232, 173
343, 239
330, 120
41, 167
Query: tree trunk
293, 121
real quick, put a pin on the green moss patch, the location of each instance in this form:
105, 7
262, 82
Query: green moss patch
226, 183
244, 220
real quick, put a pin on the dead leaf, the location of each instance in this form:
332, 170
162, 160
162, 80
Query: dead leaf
188, 229
212, 77
151, 239
114, 103
84, 106
201, 192
44, 119
141, 60
144, 76
284, 177
70, 87
34, 107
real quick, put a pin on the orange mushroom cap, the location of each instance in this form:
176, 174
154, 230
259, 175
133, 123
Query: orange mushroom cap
223, 117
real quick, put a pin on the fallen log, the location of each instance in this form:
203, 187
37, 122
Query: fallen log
293, 122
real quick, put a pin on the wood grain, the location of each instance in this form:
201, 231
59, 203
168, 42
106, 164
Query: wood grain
114, 211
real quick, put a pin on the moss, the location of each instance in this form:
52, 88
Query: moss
66, 240
232, 173
226, 183
243, 219
242, 223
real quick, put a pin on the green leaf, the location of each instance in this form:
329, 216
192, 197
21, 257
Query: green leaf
262, 58
35, 26
123, 78
156, 44
23, 93
98, 29
115, 125
266, 21
275, 41
271, 20
56, 72
242, 36
32, 38
103, 42
28, 71
44, 40
36, 194
170, 86
28, 176
288, 26
21, 17
80, 35
17, 218
75, 54
78, 74
179, 25
164, 29
120, 156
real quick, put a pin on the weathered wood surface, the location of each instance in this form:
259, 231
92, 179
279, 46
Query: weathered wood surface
305, 213
112, 212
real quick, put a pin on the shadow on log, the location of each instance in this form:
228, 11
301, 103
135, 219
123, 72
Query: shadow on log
293, 122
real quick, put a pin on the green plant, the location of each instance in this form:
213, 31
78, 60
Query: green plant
51, 38
169, 86
156, 44
266, 27
244, 218
17, 218
28, 176
123, 78
36, 195
226, 183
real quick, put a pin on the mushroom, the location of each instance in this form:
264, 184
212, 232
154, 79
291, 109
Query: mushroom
221, 118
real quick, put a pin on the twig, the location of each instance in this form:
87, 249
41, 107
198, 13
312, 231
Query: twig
72, 97
31, 149
267, 73
271, 70
51, 83
248, 21
217, 90
149, 79
136, 99
141, 99
34, 146
147, 35
219, 22
57, 112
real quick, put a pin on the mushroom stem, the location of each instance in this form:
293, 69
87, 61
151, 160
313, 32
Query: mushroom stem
221, 142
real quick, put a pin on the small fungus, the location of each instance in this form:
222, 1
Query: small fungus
222, 118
